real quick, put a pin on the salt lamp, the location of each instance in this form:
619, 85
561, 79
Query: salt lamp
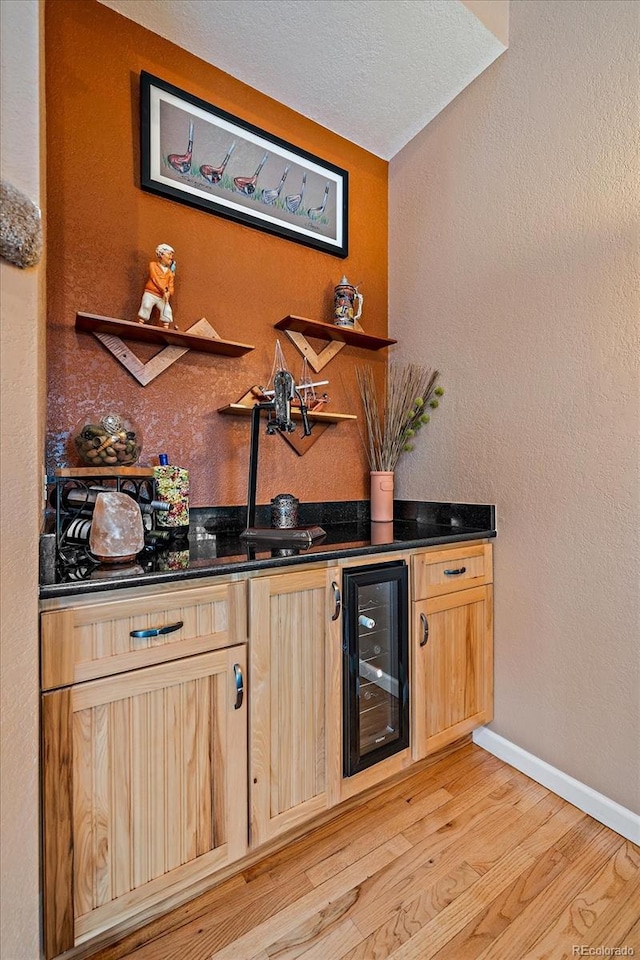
117, 533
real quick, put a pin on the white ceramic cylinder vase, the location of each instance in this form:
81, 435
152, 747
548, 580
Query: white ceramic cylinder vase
381, 495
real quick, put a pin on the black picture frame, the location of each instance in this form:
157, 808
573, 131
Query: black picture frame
202, 156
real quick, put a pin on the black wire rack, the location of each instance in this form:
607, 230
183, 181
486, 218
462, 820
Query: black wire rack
73, 494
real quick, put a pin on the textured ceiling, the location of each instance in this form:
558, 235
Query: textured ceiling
374, 71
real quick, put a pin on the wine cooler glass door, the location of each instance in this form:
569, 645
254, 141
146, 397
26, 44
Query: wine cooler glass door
376, 701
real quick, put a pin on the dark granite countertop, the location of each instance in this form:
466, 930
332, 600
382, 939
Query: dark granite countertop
214, 547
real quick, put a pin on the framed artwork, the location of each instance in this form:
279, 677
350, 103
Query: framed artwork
202, 156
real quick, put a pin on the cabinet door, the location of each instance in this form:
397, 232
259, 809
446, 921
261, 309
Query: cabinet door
145, 791
295, 657
452, 667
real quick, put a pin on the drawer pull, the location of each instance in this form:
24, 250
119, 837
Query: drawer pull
237, 671
455, 573
156, 631
336, 594
425, 629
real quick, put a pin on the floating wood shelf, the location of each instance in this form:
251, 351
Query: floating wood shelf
115, 472
329, 331
319, 417
147, 333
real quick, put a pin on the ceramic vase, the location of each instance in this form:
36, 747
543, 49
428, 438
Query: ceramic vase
381, 495
381, 532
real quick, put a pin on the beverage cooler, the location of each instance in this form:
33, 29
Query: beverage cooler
375, 665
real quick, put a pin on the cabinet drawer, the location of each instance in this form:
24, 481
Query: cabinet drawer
444, 571
97, 640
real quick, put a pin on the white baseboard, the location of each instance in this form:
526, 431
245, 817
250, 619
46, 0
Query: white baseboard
601, 808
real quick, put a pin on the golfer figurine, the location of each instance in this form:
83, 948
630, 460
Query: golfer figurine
159, 287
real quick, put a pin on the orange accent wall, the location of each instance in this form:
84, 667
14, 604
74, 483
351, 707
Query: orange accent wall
102, 230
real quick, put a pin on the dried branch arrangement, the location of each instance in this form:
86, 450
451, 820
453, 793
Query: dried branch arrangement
393, 419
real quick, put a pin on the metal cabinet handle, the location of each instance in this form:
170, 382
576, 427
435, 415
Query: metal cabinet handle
455, 573
336, 594
425, 629
156, 631
239, 682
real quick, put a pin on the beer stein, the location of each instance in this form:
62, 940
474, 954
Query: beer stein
344, 298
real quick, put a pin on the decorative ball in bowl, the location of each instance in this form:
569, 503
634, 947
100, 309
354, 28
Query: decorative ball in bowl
112, 440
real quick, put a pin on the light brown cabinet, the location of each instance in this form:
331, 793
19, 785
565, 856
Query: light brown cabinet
144, 770
452, 646
295, 682
157, 774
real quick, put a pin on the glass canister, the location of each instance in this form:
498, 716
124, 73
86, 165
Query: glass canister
108, 440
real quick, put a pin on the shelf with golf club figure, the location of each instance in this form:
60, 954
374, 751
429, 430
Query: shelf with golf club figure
201, 337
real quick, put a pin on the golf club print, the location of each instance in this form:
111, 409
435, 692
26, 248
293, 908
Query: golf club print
247, 185
316, 212
182, 161
270, 196
214, 174
294, 201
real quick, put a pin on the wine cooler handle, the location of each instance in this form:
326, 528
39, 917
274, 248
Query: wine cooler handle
156, 631
237, 671
336, 594
425, 629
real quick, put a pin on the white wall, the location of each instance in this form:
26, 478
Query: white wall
21, 357
514, 269
494, 14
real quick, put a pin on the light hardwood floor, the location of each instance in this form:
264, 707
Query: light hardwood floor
467, 860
